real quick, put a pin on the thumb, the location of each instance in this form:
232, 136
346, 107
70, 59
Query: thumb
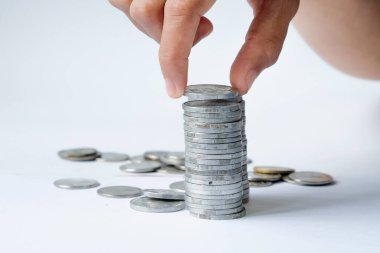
263, 42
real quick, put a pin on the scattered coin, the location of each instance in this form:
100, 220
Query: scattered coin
178, 186
76, 183
252, 176
310, 178
164, 194
259, 184
120, 192
79, 154
140, 166
146, 204
170, 170
173, 158
114, 157
154, 155
273, 170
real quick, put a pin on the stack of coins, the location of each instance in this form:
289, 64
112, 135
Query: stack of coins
215, 160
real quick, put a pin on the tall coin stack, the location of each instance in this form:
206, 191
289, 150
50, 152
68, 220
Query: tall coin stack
216, 180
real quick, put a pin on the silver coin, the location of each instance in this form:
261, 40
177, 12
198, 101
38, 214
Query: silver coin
245, 201
180, 167
288, 180
164, 194
205, 196
215, 212
178, 186
77, 152
214, 146
137, 158
238, 99
173, 158
81, 158
259, 184
154, 155
76, 183
311, 178
205, 187
170, 170
212, 127
213, 140
114, 157
140, 166
215, 207
228, 156
211, 106
213, 135
211, 120
212, 167
145, 204
210, 91
214, 161
220, 217
190, 189
212, 172
212, 201
120, 191
217, 115
273, 170
231, 153
263, 177
212, 182
236, 176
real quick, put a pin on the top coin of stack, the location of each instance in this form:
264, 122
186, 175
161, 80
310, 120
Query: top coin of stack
209, 92
213, 160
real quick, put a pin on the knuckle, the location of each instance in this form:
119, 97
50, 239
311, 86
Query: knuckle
118, 3
140, 10
271, 50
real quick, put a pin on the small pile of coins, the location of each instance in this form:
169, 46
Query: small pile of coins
216, 179
91, 154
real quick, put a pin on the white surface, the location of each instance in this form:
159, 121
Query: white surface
76, 73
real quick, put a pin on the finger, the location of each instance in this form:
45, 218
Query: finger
149, 14
204, 29
263, 42
181, 22
124, 6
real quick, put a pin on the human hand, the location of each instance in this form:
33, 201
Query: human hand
179, 24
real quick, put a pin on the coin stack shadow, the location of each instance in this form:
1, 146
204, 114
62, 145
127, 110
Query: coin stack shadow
216, 180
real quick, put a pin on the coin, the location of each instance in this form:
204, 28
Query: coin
214, 146
205, 196
213, 161
212, 201
79, 154
311, 178
210, 91
215, 212
215, 177
173, 158
178, 186
218, 156
220, 217
195, 166
217, 115
114, 157
140, 166
120, 191
273, 170
215, 207
154, 155
212, 127
211, 182
211, 120
203, 187
164, 194
258, 184
145, 204
263, 177
180, 167
213, 172
213, 140
212, 192
170, 170
76, 183
222, 135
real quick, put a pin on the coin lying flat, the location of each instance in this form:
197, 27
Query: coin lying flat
79, 154
273, 170
76, 183
140, 166
154, 155
170, 170
120, 191
114, 157
210, 92
164, 194
259, 184
178, 186
263, 177
145, 204
311, 178
181, 167
173, 158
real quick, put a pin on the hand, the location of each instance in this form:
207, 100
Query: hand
179, 24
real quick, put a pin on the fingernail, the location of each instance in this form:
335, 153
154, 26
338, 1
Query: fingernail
250, 78
173, 89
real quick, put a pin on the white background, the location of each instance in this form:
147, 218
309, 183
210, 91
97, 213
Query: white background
76, 73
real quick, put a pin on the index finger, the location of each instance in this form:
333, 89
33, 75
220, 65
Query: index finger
181, 21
